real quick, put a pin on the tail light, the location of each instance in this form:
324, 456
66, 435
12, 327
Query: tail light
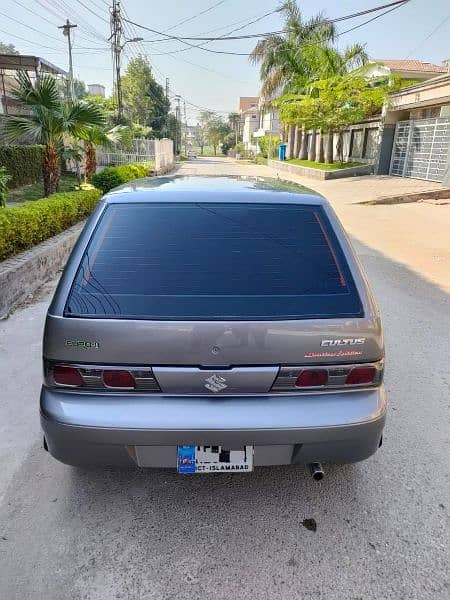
291, 379
100, 377
118, 379
359, 375
64, 375
312, 378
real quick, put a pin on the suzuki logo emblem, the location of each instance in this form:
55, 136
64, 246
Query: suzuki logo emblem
215, 383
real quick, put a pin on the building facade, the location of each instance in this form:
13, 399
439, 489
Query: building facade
96, 89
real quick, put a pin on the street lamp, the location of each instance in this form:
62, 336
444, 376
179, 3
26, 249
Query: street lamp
135, 39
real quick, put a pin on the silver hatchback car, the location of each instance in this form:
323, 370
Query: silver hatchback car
213, 324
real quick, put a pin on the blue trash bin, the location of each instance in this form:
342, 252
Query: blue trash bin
282, 151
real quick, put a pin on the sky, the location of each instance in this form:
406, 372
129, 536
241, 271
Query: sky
418, 30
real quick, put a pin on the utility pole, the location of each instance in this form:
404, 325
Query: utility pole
178, 127
185, 127
167, 88
66, 31
116, 48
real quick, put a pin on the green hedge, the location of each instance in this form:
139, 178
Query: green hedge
33, 222
111, 177
23, 163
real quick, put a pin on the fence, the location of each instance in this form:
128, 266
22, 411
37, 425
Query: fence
142, 150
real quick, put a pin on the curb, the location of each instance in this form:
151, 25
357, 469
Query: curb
317, 173
22, 275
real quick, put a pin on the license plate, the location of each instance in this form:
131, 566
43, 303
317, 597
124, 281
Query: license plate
214, 459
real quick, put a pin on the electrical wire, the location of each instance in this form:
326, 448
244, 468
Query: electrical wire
429, 36
28, 41
83, 35
92, 11
396, 4
196, 15
81, 22
29, 27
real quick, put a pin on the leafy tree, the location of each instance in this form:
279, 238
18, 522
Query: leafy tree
216, 132
265, 142
143, 98
97, 136
201, 137
229, 142
334, 104
172, 127
108, 106
50, 121
8, 49
79, 88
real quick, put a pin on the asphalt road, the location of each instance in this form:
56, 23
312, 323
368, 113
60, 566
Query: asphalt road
381, 526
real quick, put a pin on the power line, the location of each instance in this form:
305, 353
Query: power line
29, 27
58, 16
83, 23
430, 35
196, 15
92, 11
28, 41
393, 5
373, 18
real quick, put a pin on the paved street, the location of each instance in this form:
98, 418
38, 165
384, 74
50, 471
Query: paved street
382, 525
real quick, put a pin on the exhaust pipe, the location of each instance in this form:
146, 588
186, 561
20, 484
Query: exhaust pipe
316, 470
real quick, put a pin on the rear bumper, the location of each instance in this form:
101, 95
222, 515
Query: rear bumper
125, 429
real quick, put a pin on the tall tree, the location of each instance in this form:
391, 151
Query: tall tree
204, 118
8, 49
283, 58
51, 119
143, 98
216, 132
234, 119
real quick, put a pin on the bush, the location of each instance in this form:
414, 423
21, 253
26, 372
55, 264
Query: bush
23, 163
4, 179
265, 143
33, 222
111, 177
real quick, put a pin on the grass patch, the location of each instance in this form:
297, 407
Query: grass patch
323, 166
35, 191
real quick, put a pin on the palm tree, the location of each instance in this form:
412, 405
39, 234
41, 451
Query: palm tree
96, 136
234, 120
51, 119
285, 60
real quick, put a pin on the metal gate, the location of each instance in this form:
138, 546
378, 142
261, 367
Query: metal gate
421, 149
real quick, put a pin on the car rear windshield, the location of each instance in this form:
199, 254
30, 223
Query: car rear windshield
223, 261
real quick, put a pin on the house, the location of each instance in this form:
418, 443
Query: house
246, 102
268, 120
257, 120
190, 134
96, 89
415, 139
10, 64
414, 70
246, 123
250, 125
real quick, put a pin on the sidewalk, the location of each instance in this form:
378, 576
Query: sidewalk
416, 235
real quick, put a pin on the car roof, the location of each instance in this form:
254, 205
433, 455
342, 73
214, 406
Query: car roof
180, 188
